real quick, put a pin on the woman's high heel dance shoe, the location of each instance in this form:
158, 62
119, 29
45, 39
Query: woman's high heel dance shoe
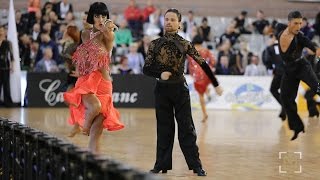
296, 133
156, 171
75, 130
85, 132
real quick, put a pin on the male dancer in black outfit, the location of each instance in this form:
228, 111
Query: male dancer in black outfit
274, 61
309, 95
165, 61
292, 42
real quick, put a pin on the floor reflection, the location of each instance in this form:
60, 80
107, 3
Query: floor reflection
232, 144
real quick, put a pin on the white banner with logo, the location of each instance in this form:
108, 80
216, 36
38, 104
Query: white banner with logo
240, 93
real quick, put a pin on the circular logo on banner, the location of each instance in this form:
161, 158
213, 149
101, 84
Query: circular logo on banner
248, 97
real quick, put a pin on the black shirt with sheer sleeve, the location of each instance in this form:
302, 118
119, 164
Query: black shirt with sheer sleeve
294, 51
170, 57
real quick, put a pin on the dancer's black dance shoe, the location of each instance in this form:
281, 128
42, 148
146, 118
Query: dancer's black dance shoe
283, 116
296, 133
316, 114
200, 172
156, 171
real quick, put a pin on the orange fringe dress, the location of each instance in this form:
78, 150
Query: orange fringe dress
201, 80
89, 58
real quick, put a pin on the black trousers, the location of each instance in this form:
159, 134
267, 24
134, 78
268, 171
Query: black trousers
5, 84
275, 87
294, 72
311, 103
173, 101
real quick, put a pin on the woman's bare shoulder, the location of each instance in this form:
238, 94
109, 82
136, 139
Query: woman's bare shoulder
85, 35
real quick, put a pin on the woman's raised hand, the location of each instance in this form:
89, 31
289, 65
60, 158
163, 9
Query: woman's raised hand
110, 26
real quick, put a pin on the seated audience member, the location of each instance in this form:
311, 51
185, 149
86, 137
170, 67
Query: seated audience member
46, 64
123, 67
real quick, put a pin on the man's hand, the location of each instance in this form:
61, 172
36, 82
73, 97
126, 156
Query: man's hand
165, 75
219, 90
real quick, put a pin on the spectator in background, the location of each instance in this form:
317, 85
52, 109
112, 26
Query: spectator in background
21, 23
34, 48
306, 29
62, 8
205, 30
234, 57
316, 25
46, 64
6, 60
154, 26
123, 67
223, 68
144, 45
47, 27
35, 34
114, 18
135, 59
25, 51
55, 26
240, 23
134, 17
58, 35
230, 34
182, 33
47, 42
69, 19
47, 8
123, 38
189, 24
34, 5
34, 18
260, 23
254, 68
149, 9
244, 53
271, 28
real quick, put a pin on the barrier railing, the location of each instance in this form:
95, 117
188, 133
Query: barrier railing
26, 153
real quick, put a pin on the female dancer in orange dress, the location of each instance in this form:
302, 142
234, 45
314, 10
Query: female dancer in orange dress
90, 101
201, 80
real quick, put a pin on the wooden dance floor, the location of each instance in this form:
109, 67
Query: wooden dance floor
233, 144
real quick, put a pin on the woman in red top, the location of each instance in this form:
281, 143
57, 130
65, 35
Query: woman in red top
90, 101
201, 80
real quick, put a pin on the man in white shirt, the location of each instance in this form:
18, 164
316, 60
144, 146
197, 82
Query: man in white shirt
254, 68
